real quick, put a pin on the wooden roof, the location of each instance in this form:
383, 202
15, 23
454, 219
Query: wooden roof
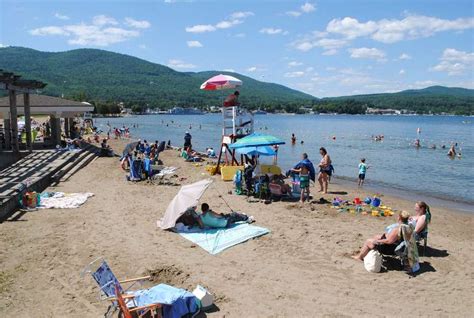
46, 105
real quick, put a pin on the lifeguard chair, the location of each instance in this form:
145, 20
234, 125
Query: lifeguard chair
237, 123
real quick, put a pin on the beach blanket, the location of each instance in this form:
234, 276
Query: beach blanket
216, 240
61, 200
166, 170
176, 302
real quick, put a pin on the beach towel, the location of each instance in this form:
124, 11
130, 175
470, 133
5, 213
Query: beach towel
176, 302
166, 171
216, 240
61, 200
309, 165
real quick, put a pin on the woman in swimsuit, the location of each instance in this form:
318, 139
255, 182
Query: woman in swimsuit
421, 219
324, 166
387, 242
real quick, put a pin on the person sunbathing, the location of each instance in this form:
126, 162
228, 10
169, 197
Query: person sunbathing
387, 242
212, 219
421, 219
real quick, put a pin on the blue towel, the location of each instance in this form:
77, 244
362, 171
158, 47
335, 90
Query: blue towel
216, 240
309, 165
176, 302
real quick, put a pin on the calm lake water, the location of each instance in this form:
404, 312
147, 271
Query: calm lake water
393, 163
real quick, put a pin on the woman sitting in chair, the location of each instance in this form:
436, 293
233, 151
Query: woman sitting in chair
421, 219
388, 241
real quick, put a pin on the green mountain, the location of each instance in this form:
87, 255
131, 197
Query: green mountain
104, 78
433, 99
97, 75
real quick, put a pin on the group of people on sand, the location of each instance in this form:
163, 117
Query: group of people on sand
408, 230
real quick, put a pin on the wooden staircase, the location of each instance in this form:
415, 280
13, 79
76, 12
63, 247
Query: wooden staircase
37, 171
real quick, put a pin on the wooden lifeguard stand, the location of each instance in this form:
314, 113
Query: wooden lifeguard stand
237, 123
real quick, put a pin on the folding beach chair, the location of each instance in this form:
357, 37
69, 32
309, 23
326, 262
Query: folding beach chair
108, 282
152, 310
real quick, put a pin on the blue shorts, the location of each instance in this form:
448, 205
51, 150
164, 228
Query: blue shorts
361, 176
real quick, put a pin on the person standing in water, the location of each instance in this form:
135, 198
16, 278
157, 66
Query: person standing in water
293, 139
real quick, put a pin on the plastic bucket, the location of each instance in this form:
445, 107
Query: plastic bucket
375, 202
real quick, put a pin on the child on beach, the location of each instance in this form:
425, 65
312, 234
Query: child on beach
362, 170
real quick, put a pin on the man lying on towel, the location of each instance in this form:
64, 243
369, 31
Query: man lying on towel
212, 219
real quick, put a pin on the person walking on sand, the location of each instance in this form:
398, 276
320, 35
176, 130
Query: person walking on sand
324, 170
362, 170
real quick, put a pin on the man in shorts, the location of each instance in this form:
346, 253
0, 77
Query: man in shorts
304, 170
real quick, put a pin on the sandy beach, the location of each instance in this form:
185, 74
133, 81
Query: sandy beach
301, 269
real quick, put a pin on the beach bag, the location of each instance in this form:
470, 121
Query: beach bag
373, 261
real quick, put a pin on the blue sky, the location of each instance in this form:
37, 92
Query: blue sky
325, 48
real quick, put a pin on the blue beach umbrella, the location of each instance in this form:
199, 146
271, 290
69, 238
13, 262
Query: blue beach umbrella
256, 140
257, 151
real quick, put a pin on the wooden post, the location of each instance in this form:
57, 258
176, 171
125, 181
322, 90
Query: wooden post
56, 129
66, 127
26, 105
14, 121
8, 134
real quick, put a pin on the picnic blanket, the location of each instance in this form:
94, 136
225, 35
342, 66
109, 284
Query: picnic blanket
61, 200
166, 171
216, 240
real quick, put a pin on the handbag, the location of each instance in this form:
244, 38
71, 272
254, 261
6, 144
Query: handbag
373, 261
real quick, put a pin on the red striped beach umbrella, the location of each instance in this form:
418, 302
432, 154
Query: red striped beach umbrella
221, 81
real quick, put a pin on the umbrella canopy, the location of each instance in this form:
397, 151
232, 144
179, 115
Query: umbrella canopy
257, 140
221, 82
188, 196
257, 151
129, 148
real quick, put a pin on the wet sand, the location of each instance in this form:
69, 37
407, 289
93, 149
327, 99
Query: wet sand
301, 269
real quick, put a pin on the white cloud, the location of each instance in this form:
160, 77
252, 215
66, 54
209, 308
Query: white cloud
234, 19
240, 35
241, 14
294, 63
294, 74
194, 44
175, 63
48, 30
293, 13
102, 20
142, 46
102, 32
308, 7
305, 8
367, 53
330, 52
200, 28
231, 70
402, 72
143, 24
455, 62
2, 45
329, 45
394, 30
61, 16
404, 56
252, 69
272, 31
